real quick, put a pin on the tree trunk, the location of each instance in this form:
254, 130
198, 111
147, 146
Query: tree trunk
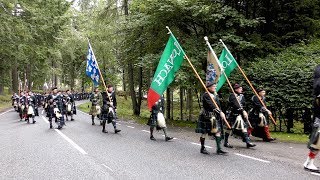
138, 108
124, 88
181, 103
131, 89
168, 102
14, 76
190, 103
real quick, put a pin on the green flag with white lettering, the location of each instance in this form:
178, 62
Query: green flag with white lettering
228, 64
170, 62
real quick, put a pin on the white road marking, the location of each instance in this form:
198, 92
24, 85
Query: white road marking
107, 167
173, 138
119, 124
5, 112
45, 120
257, 159
130, 127
200, 145
67, 139
71, 142
317, 174
145, 131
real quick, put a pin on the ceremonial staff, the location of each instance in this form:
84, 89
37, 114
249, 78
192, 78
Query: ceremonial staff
197, 75
250, 84
224, 73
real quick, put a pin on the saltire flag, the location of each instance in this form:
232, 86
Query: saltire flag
92, 67
170, 62
228, 63
213, 71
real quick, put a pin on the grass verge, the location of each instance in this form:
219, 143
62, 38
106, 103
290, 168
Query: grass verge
5, 102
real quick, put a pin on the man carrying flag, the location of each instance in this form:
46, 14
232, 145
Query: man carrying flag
169, 64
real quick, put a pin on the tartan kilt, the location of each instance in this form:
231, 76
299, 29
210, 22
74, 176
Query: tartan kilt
93, 111
314, 141
205, 126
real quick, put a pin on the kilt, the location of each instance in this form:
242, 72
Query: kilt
208, 123
94, 110
314, 142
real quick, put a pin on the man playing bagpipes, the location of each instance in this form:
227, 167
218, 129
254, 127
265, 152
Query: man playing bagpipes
109, 109
314, 142
157, 119
238, 117
15, 101
258, 117
210, 119
69, 105
22, 106
56, 109
31, 106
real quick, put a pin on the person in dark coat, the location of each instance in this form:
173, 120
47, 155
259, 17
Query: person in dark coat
314, 142
238, 117
157, 108
109, 109
258, 117
210, 119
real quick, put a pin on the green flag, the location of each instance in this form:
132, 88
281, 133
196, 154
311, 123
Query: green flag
228, 63
170, 62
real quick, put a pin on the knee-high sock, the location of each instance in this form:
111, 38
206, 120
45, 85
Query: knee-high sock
165, 132
151, 131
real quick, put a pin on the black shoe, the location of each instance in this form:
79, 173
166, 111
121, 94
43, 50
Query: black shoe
59, 127
152, 138
220, 152
72, 119
67, 119
227, 145
204, 151
104, 131
116, 131
50, 126
249, 145
34, 122
269, 140
93, 124
168, 138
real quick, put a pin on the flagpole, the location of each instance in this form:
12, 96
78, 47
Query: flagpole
195, 71
224, 73
104, 84
250, 84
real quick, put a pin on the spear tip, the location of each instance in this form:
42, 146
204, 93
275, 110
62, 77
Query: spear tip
206, 38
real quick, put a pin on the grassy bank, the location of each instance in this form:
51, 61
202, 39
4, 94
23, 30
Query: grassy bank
124, 112
5, 102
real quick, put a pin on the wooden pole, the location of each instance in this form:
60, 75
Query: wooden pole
104, 84
225, 75
197, 75
250, 84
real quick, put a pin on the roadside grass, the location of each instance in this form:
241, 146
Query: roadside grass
124, 111
5, 102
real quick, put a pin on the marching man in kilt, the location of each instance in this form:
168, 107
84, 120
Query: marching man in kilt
109, 109
157, 119
209, 122
96, 100
314, 142
258, 117
237, 117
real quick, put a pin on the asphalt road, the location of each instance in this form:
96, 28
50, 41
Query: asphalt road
82, 151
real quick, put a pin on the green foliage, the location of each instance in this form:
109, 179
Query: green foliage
287, 76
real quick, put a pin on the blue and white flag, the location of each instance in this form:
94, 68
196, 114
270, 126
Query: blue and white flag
92, 67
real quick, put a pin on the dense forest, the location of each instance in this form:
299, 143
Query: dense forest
276, 42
